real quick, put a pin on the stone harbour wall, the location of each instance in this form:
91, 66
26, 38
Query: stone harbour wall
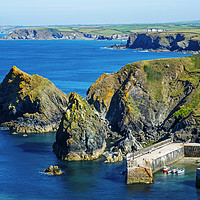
192, 150
167, 159
139, 175
141, 168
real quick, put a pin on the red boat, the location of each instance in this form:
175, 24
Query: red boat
166, 168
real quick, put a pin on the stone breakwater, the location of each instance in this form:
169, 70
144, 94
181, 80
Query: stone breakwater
139, 170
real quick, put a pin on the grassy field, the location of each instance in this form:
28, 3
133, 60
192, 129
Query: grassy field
122, 29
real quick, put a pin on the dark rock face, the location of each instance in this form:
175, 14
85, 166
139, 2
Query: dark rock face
116, 46
82, 132
164, 41
152, 99
30, 104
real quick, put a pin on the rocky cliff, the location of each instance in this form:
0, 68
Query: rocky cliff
52, 34
82, 132
170, 41
151, 99
30, 104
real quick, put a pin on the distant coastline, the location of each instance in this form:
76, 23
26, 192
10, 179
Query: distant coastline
151, 39
54, 34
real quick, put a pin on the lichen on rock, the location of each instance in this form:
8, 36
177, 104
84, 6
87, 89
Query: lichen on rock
151, 99
82, 132
30, 104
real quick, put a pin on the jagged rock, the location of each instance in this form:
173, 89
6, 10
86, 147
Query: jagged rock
129, 144
82, 132
30, 104
114, 157
53, 170
151, 100
170, 41
116, 46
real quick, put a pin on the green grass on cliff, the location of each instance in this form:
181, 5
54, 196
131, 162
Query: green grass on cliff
152, 75
160, 81
122, 29
154, 79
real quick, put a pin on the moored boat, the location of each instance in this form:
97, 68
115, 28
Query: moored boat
170, 171
175, 170
180, 171
166, 168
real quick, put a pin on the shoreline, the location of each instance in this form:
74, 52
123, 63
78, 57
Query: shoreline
62, 39
150, 50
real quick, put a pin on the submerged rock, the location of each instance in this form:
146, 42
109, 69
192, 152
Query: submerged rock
53, 170
30, 104
82, 132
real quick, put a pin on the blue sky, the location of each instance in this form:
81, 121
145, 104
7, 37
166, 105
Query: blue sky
66, 12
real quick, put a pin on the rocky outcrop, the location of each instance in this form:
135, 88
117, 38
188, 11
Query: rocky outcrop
30, 104
165, 41
82, 132
116, 46
114, 157
53, 170
151, 99
52, 34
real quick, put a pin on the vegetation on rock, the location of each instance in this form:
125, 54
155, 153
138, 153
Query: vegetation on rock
30, 103
152, 99
82, 132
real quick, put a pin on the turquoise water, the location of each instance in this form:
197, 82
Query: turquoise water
73, 66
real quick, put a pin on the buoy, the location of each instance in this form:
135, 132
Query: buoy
198, 178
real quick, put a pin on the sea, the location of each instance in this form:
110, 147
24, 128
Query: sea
73, 65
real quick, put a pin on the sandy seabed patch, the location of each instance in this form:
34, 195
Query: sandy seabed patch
189, 160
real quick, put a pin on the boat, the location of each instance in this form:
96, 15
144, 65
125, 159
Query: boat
180, 171
170, 171
166, 168
175, 170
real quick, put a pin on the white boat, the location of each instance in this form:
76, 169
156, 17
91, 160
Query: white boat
180, 171
175, 170
170, 171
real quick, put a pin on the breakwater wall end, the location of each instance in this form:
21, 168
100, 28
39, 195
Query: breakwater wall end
139, 175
